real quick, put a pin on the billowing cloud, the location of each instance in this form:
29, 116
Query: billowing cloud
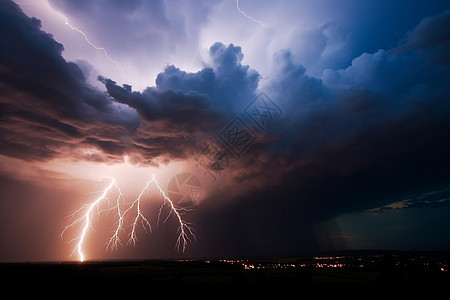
194, 99
186, 109
50, 110
47, 106
356, 138
383, 120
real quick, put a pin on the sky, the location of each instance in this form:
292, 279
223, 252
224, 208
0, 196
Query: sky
276, 128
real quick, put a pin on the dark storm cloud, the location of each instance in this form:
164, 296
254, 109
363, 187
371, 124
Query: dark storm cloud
49, 109
193, 100
361, 137
227, 82
377, 126
430, 38
184, 110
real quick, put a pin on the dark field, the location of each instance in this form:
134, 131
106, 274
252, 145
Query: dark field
337, 270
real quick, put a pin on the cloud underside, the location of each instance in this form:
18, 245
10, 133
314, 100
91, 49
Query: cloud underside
345, 139
49, 110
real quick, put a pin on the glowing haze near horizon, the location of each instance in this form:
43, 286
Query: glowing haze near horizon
356, 158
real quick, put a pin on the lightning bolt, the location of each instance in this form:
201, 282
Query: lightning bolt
86, 219
247, 16
185, 232
94, 46
184, 227
139, 215
74, 28
114, 241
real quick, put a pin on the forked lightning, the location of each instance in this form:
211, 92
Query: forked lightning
185, 232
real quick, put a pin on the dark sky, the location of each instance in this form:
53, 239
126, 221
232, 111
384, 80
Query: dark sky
320, 133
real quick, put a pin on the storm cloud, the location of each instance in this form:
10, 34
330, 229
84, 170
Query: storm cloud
49, 109
373, 133
388, 106
350, 138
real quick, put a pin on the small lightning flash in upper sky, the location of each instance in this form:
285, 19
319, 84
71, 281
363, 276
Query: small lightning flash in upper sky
85, 37
94, 46
249, 17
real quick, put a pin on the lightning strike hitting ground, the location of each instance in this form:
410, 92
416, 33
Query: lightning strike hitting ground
185, 232
139, 215
247, 16
184, 229
86, 218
